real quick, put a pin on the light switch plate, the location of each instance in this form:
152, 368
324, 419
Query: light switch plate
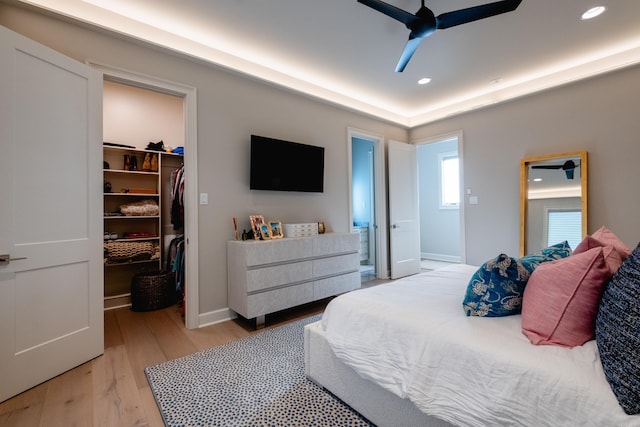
204, 198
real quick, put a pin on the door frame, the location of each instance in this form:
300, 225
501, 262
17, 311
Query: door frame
380, 202
188, 94
459, 136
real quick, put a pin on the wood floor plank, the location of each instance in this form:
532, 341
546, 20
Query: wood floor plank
151, 407
169, 336
24, 410
116, 400
142, 347
112, 334
68, 401
214, 335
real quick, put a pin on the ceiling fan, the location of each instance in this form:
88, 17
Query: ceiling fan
425, 23
568, 167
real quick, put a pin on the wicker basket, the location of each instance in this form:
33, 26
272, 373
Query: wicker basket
153, 290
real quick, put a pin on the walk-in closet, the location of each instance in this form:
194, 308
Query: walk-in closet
144, 179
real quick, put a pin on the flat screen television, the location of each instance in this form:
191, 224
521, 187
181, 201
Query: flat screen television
286, 166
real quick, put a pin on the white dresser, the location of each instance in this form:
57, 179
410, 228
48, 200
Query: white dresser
272, 275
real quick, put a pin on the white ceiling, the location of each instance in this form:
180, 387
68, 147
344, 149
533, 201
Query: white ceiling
344, 52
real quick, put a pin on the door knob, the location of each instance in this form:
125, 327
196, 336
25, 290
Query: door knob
6, 259
394, 226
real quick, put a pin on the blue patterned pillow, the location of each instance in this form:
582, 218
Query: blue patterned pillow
557, 251
496, 289
618, 333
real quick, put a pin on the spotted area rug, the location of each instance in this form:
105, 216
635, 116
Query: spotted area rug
255, 381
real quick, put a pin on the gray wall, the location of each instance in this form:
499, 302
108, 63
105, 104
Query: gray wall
600, 115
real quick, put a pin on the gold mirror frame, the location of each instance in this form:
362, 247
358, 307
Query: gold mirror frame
525, 164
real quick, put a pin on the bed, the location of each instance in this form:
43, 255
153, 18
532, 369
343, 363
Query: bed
405, 354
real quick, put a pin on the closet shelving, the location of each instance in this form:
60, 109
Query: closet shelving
127, 187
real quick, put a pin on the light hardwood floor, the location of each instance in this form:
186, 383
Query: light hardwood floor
112, 390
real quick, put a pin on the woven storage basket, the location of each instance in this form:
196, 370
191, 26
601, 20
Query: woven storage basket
153, 290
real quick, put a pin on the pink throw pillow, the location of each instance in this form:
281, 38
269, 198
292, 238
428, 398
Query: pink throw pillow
611, 255
561, 299
608, 238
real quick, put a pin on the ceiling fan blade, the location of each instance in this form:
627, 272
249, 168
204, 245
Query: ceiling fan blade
407, 53
390, 10
546, 167
470, 14
569, 173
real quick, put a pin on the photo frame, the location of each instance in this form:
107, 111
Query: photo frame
276, 229
265, 232
256, 225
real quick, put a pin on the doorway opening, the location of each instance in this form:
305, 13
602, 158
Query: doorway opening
441, 201
366, 172
190, 229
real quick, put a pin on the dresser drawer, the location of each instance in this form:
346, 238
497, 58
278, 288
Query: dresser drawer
278, 299
335, 265
278, 275
276, 251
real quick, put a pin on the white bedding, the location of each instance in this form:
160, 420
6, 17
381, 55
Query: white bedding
412, 338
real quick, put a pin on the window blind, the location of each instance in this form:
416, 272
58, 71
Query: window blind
564, 225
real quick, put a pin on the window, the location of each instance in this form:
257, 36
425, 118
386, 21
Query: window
449, 176
564, 225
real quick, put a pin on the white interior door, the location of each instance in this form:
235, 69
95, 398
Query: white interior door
51, 295
404, 218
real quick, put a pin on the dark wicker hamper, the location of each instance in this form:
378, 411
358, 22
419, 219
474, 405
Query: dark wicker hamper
153, 290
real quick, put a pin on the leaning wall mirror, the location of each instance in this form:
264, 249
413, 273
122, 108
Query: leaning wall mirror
553, 200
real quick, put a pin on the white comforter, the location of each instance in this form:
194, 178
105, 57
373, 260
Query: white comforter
412, 338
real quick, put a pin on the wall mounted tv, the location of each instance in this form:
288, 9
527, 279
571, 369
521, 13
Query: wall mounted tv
286, 166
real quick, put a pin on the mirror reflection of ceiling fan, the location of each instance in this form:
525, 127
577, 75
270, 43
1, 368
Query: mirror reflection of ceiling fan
425, 23
568, 167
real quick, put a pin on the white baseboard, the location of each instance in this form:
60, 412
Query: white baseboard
440, 257
216, 316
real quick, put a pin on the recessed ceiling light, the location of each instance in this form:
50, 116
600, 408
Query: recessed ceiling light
424, 80
593, 12
537, 179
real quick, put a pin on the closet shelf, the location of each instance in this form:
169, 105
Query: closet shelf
138, 172
132, 194
120, 264
136, 239
110, 217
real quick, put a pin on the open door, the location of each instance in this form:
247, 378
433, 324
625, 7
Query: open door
404, 219
51, 284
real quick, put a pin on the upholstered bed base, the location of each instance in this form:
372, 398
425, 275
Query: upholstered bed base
370, 400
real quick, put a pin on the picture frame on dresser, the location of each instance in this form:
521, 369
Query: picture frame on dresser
265, 232
256, 224
276, 229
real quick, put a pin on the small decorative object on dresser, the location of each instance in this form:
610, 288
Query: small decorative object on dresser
276, 229
256, 223
300, 230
